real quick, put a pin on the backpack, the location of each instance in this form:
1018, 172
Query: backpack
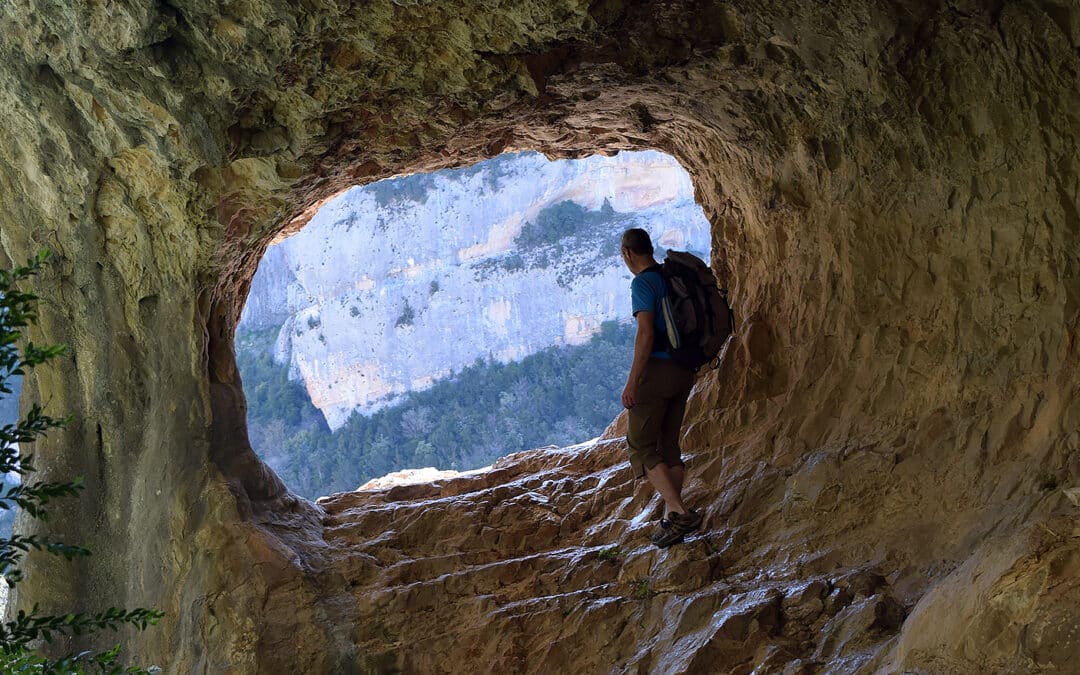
696, 312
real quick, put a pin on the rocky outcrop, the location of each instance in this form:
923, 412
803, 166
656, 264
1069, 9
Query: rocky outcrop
549, 557
895, 204
391, 288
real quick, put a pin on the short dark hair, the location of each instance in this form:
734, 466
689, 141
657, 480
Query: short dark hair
638, 241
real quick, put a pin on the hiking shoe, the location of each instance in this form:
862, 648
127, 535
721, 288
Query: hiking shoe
667, 535
684, 523
665, 527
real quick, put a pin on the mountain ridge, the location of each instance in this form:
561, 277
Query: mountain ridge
497, 261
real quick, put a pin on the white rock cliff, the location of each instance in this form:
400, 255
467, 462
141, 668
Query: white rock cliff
394, 286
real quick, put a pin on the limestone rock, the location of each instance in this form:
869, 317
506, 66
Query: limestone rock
895, 204
393, 288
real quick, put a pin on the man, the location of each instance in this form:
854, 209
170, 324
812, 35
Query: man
655, 393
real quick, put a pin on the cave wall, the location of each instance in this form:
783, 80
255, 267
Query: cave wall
895, 198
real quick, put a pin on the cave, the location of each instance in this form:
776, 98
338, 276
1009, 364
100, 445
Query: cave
888, 457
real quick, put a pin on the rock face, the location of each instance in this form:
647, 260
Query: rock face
551, 549
391, 288
895, 203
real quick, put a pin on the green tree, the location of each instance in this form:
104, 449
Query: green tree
560, 395
22, 637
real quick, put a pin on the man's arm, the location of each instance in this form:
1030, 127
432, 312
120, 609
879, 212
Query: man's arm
643, 343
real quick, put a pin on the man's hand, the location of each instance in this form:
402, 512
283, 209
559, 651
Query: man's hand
643, 342
629, 393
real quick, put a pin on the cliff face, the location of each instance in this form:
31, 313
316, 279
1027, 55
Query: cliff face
391, 288
895, 202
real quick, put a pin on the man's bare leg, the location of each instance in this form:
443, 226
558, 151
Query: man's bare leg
663, 479
678, 473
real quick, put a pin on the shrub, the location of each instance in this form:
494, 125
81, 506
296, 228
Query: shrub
401, 190
407, 317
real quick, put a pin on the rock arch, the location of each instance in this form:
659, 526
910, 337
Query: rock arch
895, 188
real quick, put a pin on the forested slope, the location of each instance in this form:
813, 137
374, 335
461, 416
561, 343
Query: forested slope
560, 395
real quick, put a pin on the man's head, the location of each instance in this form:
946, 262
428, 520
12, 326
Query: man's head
637, 249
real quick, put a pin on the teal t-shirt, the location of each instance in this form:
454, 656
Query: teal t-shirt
646, 291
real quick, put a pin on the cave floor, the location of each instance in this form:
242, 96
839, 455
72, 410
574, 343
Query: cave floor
544, 562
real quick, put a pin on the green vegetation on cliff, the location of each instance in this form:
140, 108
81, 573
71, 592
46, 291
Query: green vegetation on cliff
559, 396
580, 241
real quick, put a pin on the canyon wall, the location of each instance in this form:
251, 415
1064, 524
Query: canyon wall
392, 288
887, 458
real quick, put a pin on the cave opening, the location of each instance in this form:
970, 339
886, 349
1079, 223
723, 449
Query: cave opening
438, 321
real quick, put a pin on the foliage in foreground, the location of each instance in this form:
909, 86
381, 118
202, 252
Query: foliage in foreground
21, 637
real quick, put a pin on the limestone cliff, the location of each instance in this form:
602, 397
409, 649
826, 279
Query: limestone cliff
885, 457
391, 288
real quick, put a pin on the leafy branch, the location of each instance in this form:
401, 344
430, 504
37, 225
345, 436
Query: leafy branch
26, 628
20, 638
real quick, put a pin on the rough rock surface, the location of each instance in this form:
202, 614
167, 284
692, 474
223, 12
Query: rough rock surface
895, 201
551, 548
391, 288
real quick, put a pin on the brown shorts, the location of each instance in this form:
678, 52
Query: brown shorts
656, 419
